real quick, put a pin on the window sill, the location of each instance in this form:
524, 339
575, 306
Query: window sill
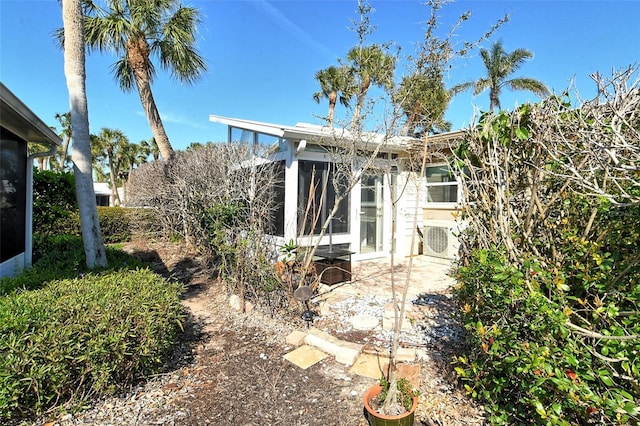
441, 206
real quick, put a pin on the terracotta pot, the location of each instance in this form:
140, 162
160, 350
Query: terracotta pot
378, 419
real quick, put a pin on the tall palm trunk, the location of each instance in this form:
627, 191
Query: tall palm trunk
138, 54
63, 153
364, 87
74, 70
494, 98
333, 99
115, 197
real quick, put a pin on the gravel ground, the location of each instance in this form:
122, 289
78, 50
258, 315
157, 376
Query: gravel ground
228, 368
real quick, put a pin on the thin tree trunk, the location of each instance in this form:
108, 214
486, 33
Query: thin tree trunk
115, 197
74, 69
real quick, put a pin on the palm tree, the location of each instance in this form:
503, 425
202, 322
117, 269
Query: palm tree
65, 134
110, 147
150, 147
74, 70
424, 100
370, 65
336, 83
500, 65
137, 30
129, 158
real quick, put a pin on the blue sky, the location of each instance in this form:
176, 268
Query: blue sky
263, 55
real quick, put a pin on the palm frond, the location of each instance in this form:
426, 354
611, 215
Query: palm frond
124, 74
529, 84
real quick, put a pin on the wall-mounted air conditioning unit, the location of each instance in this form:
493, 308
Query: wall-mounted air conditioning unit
439, 239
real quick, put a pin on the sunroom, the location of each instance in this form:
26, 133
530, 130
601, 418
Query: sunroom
307, 154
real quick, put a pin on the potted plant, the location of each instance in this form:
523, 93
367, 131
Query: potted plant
433, 56
393, 400
375, 397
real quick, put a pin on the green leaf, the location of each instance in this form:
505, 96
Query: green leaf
605, 376
631, 408
522, 133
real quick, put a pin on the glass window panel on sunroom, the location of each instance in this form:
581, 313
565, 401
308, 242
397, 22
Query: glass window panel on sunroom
267, 143
316, 207
242, 135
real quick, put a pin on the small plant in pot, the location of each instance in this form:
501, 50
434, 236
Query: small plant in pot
383, 409
393, 400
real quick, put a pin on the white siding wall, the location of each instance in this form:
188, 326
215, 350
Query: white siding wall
408, 213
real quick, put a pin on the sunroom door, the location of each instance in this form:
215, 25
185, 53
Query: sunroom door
371, 215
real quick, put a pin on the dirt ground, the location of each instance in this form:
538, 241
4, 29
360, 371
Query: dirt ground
229, 368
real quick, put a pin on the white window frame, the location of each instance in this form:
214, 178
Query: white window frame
440, 204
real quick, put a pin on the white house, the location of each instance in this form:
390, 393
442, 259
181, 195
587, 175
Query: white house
362, 227
19, 126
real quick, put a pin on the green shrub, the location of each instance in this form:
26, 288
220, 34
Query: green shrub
524, 361
54, 203
83, 337
549, 272
61, 256
115, 224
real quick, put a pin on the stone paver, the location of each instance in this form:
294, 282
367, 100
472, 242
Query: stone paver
370, 365
406, 355
305, 356
364, 322
410, 372
428, 275
343, 353
296, 338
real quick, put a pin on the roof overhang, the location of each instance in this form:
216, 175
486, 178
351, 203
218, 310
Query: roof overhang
321, 135
16, 117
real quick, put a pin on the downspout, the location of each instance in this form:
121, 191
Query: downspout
28, 245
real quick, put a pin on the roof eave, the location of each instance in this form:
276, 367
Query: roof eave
21, 121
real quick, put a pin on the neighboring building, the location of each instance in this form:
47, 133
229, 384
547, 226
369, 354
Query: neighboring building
19, 126
362, 226
103, 193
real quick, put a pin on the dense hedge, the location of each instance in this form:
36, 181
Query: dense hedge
549, 274
55, 211
115, 224
83, 337
54, 203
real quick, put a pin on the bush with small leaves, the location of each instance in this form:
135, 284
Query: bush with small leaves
84, 337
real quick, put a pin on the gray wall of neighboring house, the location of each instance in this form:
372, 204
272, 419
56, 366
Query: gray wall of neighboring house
20, 126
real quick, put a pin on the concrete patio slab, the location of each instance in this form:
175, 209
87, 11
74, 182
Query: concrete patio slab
305, 356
